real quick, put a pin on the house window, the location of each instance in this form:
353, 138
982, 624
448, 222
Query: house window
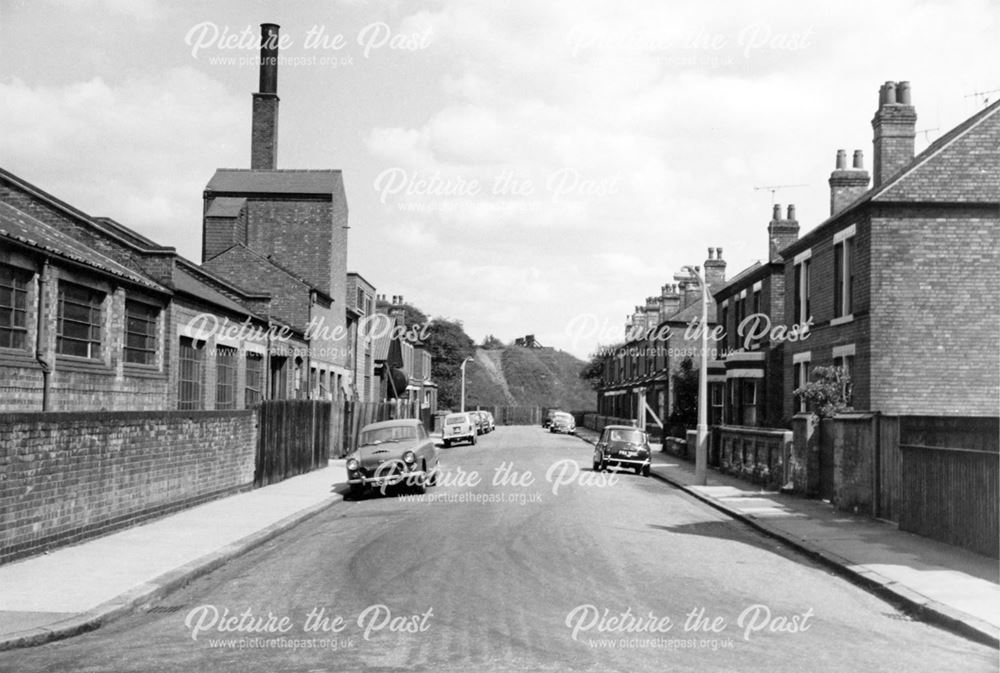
361, 300
225, 378
843, 358
253, 393
729, 333
717, 399
756, 300
190, 374
843, 277
79, 327
300, 388
802, 308
800, 376
13, 307
140, 332
749, 401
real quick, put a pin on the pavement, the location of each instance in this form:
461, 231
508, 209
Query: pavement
77, 588
945, 585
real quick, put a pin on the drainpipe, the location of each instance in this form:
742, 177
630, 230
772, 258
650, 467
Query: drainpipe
42, 353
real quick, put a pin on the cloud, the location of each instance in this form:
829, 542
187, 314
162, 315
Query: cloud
139, 152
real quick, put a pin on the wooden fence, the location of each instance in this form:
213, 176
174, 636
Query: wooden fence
359, 414
293, 438
949, 481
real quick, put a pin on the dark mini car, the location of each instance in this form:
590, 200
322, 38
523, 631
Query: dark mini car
479, 418
622, 446
393, 453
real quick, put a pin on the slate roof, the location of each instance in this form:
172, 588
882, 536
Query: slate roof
689, 313
225, 206
188, 283
381, 324
962, 166
21, 227
283, 181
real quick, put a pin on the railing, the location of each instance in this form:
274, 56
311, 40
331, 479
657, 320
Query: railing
757, 454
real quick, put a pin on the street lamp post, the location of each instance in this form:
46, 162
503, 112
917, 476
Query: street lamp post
464, 362
701, 448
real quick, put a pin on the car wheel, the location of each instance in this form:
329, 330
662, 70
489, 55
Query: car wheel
638, 470
420, 485
433, 479
597, 465
357, 490
645, 471
447, 443
474, 440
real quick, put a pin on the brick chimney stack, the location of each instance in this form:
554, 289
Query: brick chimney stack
847, 184
670, 301
781, 232
715, 269
895, 125
691, 292
264, 131
397, 311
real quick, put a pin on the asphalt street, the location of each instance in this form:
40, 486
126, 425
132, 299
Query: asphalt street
522, 558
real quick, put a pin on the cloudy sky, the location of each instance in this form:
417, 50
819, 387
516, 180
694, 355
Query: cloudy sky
525, 167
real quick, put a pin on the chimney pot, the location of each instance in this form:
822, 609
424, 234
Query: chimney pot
791, 211
776, 215
890, 93
859, 159
841, 160
718, 253
268, 58
903, 93
711, 253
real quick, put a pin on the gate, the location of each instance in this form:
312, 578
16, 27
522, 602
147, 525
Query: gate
827, 489
887, 469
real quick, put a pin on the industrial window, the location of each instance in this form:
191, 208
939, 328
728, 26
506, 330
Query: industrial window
802, 307
79, 326
13, 307
190, 374
254, 391
843, 278
225, 378
140, 332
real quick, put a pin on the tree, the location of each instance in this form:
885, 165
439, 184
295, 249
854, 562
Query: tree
448, 345
412, 316
828, 392
593, 371
685, 413
491, 343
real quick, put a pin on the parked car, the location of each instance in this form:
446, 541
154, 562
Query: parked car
479, 418
489, 421
547, 421
563, 422
458, 428
393, 453
622, 446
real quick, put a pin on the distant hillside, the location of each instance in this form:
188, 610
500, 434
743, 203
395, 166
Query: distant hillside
519, 376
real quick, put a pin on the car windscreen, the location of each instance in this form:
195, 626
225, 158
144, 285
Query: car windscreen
632, 436
397, 433
456, 419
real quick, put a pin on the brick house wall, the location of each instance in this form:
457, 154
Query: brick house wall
938, 336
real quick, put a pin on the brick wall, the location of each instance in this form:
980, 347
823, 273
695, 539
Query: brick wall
71, 476
936, 316
300, 234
